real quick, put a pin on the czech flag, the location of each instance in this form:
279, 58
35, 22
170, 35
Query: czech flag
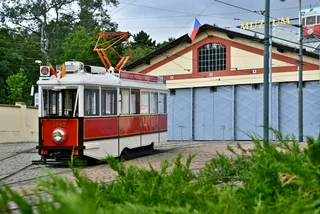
194, 29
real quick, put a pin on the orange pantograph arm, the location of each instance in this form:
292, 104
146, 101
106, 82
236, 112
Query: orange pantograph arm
106, 41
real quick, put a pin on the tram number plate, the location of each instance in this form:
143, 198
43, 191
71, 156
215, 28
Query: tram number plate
59, 124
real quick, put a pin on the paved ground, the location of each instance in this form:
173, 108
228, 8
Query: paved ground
17, 171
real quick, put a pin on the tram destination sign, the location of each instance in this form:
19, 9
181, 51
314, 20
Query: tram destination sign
136, 76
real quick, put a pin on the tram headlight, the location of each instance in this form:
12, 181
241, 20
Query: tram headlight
59, 136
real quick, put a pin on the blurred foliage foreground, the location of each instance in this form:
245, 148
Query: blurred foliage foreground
273, 177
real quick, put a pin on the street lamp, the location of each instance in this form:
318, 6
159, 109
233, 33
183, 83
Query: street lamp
266, 73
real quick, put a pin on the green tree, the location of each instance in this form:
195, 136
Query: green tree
92, 13
54, 19
142, 39
170, 39
139, 52
18, 50
79, 46
18, 88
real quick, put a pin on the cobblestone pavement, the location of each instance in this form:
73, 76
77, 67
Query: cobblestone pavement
14, 157
15, 164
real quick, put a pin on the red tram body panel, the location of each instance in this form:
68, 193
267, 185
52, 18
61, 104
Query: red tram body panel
98, 128
49, 125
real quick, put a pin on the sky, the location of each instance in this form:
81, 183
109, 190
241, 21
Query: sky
162, 19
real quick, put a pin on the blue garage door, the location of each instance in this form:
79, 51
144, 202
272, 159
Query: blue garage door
311, 109
288, 109
213, 113
248, 110
179, 115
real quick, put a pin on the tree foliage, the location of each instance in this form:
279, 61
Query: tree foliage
142, 39
56, 31
78, 45
18, 87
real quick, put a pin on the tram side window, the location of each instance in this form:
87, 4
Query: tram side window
311, 20
135, 101
91, 102
163, 103
154, 103
125, 101
108, 101
144, 103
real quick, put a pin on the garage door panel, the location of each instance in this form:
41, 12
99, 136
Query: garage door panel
203, 114
311, 109
179, 115
223, 113
288, 109
248, 111
213, 113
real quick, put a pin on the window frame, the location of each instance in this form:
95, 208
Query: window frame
212, 57
97, 102
113, 101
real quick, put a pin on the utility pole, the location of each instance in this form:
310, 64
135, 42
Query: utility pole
266, 74
300, 95
44, 43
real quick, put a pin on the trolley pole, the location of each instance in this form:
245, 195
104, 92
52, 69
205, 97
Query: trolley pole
266, 75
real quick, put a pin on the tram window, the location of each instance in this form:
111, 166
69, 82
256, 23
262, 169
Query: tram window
318, 19
91, 102
69, 97
154, 103
108, 101
54, 103
144, 104
303, 21
45, 103
163, 103
125, 101
59, 103
311, 20
135, 101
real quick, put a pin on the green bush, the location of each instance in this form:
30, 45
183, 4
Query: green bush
271, 177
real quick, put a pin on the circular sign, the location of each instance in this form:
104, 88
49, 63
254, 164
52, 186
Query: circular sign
44, 71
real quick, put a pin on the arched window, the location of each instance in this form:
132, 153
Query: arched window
212, 57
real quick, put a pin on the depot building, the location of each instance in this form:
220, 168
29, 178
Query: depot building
216, 86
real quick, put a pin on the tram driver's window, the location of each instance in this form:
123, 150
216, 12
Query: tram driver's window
91, 102
125, 101
108, 101
163, 103
144, 102
135, 101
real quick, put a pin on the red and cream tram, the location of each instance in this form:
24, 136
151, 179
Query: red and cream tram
93, 113
311, 24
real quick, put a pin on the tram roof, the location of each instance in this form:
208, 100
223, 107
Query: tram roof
105, 80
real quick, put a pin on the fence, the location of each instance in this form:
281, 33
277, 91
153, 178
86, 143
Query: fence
18, 123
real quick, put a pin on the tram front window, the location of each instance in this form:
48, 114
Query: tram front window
59, 103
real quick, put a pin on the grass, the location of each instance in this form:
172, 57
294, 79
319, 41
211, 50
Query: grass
279, 178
